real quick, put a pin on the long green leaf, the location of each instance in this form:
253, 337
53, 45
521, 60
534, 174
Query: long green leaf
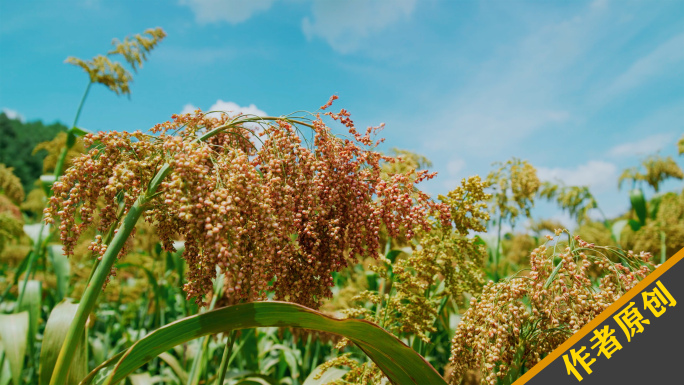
636, 197
144, 379
62, 269
330, 375
14, 330
5, 372
616, 229
400, 363
31, 303
55, 333
175, 366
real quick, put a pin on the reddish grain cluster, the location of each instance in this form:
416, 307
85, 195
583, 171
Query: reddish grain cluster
279, 217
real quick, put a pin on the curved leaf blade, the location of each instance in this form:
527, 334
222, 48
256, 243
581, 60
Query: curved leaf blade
31, 298
62, 269
330, 375
400, 363
616, 229
14, 329
638, 201
55, 334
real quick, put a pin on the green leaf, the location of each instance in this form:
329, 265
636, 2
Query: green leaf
654, 205
78, 131
144, 379
62, 269
31, 302
636, 197
36, 231
392, 255
253, 381
616, 229
634, 225
245, 374
479, 241
5, 372
46, 182
331, 374
398, 362
175, 366
14, 330
55, 333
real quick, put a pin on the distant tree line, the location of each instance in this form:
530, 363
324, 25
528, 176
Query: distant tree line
17, 141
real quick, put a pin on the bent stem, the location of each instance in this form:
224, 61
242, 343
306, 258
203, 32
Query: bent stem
71, 136
92, 291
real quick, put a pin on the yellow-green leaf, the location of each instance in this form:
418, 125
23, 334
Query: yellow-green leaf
399, 363
14, 330
55, 332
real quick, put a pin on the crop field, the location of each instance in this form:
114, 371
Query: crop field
245, 249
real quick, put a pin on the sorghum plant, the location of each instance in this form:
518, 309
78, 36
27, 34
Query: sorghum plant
10, 185
577, 200
11, 195
514, 323
515, 184
664, 229
278, 218
444, 265
654, 170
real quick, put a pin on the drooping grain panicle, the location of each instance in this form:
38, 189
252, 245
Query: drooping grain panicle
517, 321
101, 69
280, 218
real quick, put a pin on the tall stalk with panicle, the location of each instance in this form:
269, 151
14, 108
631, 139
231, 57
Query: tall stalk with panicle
114, 76
279, 218
515, 184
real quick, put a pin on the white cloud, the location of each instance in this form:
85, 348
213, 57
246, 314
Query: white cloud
663, 60
231, 108
188, 109
453, 174
13, 114
455, 166
519, 90
344, 24
234, 11
234, 108
598, 175
645, 146
599, 4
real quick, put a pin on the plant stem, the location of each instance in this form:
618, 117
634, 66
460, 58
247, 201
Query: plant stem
227, 352
94, 287
59, 167
93, 290
496, 252
37, 248
80, 106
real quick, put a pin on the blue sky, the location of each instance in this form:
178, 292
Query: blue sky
581, 89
